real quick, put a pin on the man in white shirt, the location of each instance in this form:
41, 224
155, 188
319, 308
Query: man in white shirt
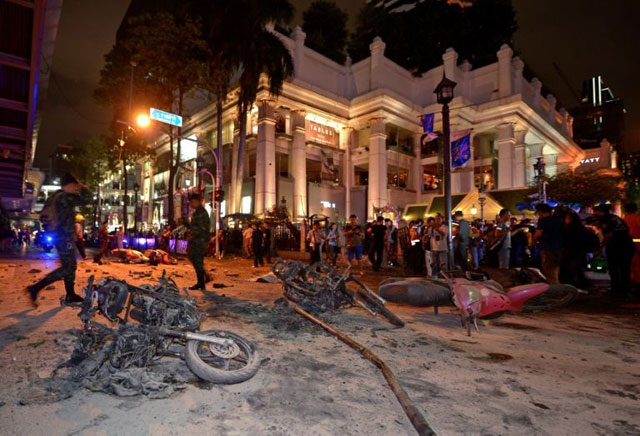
247, 233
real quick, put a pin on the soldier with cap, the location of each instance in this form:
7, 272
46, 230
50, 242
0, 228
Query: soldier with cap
60, 216
200, 235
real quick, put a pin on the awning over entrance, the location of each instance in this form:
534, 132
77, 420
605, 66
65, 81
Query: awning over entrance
415, 211
470, 204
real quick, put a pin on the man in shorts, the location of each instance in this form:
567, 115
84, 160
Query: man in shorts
353, 237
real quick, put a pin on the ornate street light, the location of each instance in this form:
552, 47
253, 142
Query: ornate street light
444, 94
481, 199
538, 169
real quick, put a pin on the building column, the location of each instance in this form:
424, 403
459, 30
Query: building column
551, 99
520, 172
417, 175
518, 68
537, 92
505, 55
377, 195
449, 63
505, 142
299, 164
376, 48
535, 151
346, 140
298, 37
265, 196
233, 202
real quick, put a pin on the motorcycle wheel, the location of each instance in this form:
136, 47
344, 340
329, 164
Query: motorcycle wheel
223, 365
555, 297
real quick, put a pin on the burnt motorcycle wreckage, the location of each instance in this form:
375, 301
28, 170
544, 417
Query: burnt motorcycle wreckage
167, 325
320, 288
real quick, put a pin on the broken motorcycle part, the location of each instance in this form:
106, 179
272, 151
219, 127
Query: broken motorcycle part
167, 325
324, 288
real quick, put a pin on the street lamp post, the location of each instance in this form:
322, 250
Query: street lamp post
444, 94
136, 188
481, 199
538, 167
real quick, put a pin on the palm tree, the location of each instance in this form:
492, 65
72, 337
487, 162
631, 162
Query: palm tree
247, 44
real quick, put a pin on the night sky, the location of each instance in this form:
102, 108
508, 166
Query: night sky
584, 37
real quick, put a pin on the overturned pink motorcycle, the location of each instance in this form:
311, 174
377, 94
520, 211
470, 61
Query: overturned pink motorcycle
477, 296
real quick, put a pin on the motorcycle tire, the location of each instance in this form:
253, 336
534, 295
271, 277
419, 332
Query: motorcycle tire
381, 309
213, 374
555, 297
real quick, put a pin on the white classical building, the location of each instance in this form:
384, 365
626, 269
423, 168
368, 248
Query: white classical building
345, 139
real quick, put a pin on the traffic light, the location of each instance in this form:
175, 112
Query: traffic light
219, 195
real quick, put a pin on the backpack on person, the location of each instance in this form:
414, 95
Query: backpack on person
48, 215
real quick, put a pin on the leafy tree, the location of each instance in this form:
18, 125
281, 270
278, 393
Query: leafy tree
170, 59
417, 33
326, 27
89, 160
584, 189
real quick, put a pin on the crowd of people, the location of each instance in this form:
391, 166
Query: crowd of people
560, 242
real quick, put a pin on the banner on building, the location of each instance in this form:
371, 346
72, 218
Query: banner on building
327, 166
460, 148
427, 128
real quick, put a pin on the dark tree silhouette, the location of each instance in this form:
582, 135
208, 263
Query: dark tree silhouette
417, 33
326, 27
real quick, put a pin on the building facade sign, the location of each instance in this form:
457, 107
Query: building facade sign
589, 160
321, 134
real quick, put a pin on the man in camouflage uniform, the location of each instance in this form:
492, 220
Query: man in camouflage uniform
199, 240
71, 195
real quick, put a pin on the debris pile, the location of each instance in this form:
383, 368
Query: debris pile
320, 288
123, 361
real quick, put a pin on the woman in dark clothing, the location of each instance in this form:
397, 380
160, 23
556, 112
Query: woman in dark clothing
575, 251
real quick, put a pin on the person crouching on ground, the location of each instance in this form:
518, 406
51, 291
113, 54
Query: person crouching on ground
63, 225
199, 240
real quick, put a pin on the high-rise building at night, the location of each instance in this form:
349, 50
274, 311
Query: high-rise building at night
27, 34
599, 116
